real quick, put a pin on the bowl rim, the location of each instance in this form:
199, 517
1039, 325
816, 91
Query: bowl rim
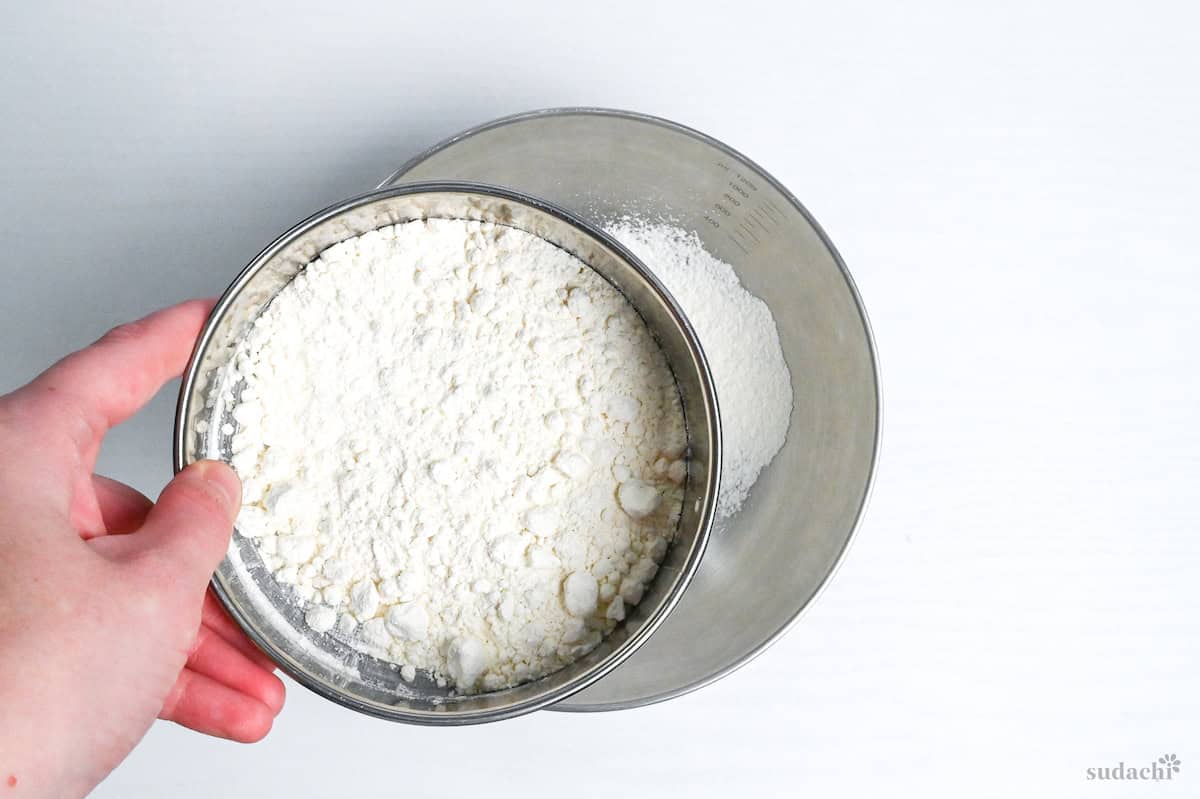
708, 401
396, 178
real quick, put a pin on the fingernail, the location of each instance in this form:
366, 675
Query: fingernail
221, 477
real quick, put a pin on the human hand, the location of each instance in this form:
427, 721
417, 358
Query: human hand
105, 622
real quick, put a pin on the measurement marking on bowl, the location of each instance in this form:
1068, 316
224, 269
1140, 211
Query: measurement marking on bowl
738, 211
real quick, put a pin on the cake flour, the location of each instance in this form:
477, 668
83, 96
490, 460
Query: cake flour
461, 447
741, 341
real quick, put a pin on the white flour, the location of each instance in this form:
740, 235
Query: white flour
462, 448
739, 336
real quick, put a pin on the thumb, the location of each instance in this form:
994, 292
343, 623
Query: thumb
190, 525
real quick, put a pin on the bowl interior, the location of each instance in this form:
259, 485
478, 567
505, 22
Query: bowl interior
765, 565
268, 612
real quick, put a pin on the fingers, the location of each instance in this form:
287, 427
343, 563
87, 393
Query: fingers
224, 690
214, 617
123, 509
189, 527
100, 386
215, 657
205, 705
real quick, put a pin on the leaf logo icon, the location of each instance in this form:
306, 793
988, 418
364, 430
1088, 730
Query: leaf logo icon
1171, 762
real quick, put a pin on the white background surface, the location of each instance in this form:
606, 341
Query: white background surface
1013, 186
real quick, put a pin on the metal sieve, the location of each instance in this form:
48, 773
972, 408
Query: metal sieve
262, 607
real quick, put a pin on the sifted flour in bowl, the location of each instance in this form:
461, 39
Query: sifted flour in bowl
741, 341
461, 447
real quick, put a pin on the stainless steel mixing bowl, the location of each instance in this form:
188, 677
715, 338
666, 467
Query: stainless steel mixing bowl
776, 554
262, 607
